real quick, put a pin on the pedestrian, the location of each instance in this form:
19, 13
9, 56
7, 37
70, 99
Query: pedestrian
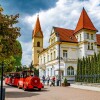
48, 79
53, 81
43, 79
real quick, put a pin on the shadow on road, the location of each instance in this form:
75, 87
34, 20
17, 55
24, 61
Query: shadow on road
8, 86
20, 94
36, 90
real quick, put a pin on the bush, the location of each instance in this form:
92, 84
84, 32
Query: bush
65, 81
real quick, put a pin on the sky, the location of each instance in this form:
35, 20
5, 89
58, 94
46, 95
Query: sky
59, 13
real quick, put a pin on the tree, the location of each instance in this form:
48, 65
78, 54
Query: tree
83, 69
10, 53
78, 71
36, 71
18, 57
8, 35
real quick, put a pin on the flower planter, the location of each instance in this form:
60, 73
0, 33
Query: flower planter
67, 84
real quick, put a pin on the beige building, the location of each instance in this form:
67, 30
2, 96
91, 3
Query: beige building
65, 47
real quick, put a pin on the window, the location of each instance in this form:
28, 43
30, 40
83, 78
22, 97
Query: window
48, 71
44, 59
41, 60
51, 71
87, 35
51, 56
70, 70
65, 53
88, 46
92, 46
54, 55
38, 44
92, 36
80, 37
48, 58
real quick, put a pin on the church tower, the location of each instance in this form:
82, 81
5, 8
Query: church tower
85, 33
37, 42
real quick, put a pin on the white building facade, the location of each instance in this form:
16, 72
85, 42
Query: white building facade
66, 46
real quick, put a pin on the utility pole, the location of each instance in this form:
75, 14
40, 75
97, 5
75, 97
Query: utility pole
2, 65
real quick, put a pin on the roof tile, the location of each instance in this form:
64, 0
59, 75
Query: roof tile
65, 34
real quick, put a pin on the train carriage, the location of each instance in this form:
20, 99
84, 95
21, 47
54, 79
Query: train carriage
25, 80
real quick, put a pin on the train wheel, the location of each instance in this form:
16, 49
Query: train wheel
39, 89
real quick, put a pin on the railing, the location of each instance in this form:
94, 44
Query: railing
88, 78
68, 59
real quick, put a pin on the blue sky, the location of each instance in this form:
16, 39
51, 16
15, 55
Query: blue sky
60, 13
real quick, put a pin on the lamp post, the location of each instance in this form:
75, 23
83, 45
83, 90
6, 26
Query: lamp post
2, 65
59, 66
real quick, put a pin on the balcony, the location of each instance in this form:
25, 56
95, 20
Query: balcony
67, 59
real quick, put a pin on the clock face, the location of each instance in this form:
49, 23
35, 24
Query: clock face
38, 34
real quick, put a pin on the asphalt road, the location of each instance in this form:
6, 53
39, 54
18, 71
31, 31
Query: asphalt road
51, 93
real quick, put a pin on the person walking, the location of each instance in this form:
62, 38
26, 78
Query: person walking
48, 79
53, 81
43, 79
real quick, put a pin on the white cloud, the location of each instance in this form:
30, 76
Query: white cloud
65, 14
26, 55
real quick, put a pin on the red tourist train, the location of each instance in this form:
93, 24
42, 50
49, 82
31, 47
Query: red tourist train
25, 80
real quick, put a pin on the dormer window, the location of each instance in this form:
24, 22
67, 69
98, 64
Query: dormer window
38, 44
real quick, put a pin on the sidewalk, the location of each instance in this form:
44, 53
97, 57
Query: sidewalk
85, 87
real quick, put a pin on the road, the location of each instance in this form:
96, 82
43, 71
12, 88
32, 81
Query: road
51, 93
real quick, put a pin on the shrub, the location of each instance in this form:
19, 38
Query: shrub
65, 81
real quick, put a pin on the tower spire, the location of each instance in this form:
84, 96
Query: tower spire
84, 22
37, 32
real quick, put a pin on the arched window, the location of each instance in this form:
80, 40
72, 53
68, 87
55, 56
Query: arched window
38, 44
70, 70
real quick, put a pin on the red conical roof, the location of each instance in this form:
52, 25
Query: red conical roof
37, 29
84, 22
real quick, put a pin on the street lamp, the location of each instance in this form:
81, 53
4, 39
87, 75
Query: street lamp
2, 65
59, 65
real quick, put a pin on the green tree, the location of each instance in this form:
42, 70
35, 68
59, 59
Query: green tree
8, 40
78, 70
83, 69
8, 35
18, 57
36, 72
